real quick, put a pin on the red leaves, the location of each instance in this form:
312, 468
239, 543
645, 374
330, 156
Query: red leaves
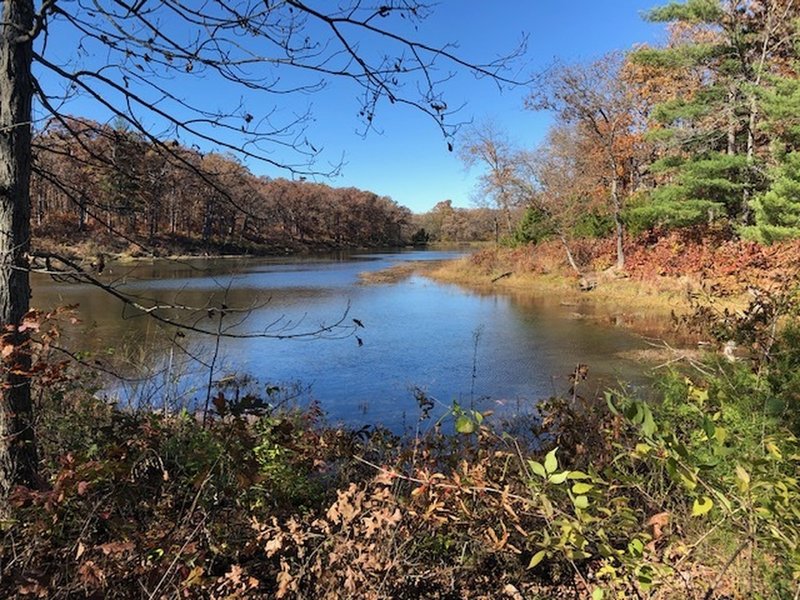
726, 264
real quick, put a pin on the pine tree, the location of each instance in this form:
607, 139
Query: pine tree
713, 132
777, 212
703, 188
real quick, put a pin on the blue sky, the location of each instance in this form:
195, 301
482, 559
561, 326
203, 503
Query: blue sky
408, 158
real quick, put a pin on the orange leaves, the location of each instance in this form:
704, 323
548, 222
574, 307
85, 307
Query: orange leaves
727, 266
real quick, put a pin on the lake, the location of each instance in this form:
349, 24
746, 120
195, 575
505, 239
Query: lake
492, 350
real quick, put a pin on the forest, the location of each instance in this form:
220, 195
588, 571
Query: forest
108, 184
700, 132
668, 184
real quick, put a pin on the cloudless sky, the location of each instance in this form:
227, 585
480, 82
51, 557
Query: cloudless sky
408, 159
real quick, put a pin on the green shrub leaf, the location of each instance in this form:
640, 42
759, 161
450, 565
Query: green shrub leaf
550, 461
465, 425
537, 468
701, 506
537, 558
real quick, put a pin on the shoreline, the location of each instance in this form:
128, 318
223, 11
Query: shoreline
648, 308
89, 250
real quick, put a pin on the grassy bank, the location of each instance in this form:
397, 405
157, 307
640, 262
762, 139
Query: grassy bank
668, 279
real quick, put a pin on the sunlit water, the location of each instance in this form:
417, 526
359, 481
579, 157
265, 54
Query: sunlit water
488, 349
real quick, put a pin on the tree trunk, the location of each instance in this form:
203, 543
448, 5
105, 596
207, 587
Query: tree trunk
18, 461
751, 145
731, 122
570, 258
618, 221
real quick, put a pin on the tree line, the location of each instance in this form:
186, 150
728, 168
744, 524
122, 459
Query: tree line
89, 176
704, 129
448, 223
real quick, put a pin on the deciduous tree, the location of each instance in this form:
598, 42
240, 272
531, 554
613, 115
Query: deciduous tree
595, 99
281, 50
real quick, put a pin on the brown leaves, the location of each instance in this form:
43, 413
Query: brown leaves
351, 548
236, 583
33, 589
91, 575
117, 548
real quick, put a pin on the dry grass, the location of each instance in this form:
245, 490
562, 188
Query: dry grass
399, 272
647, 306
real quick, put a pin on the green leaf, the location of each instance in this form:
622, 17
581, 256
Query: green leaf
723, 500
550, 461
701, 506
774, 450
537, 558
743, 476
578, 475
643, 449
698, 395
581, 502
610, 402
681, 474
559, 478
720, 435
547, 507
648, 424
581, 488
708, 427
598, 594
635, 547
537, 468
465, 425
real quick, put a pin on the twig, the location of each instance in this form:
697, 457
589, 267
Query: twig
502, 276
721, 574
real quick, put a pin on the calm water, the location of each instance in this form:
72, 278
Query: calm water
498, 351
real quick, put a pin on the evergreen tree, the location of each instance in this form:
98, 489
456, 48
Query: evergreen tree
733, 46
702, 188
777, 212
781, 106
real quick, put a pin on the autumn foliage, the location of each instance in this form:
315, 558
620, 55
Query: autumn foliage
108, 186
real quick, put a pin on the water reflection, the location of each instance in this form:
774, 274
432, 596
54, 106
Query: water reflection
456, 345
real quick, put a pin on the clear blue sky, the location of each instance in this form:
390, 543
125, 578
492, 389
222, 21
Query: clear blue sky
408, 160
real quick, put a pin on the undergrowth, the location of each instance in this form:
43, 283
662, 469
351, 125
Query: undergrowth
694, 495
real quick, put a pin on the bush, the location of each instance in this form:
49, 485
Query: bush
692, 495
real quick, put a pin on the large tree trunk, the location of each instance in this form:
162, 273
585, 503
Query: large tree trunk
18, 462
